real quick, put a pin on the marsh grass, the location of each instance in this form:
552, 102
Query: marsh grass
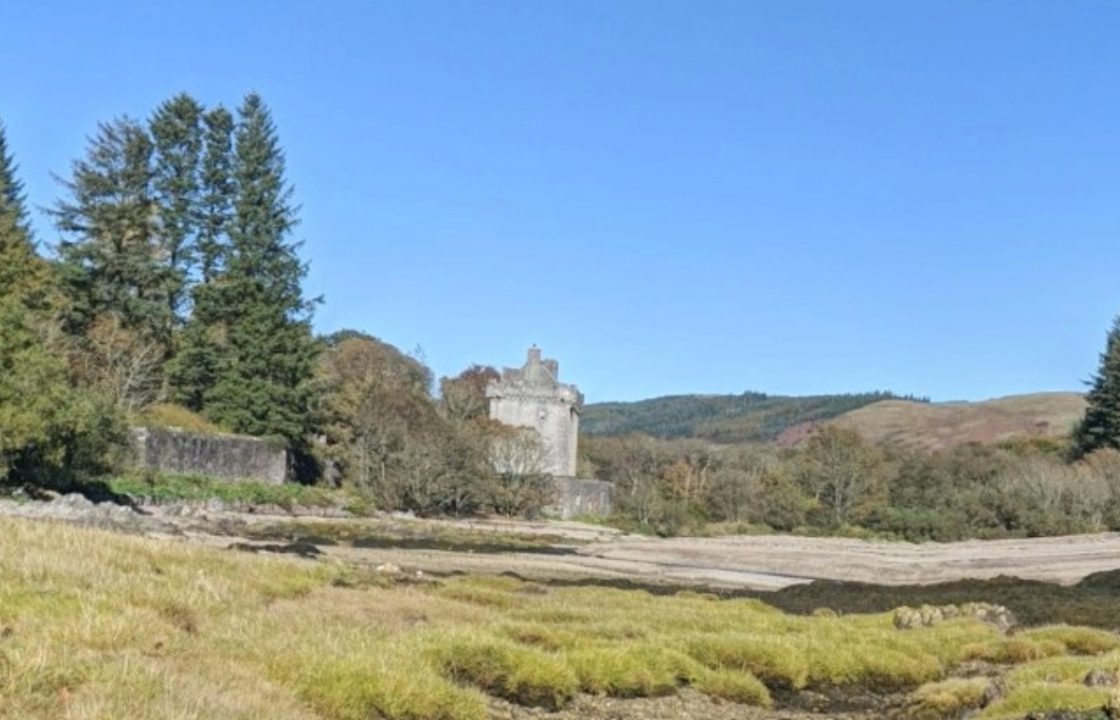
97, 625
947, 698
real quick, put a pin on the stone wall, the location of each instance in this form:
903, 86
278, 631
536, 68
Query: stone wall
576, 498
231, 457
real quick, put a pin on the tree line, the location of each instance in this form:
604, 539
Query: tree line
176, 281
837, 482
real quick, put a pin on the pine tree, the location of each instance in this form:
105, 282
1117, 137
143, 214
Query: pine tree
44, 422
261, 383
217, 192
176, 129
23, 274
109, 255
1100, 427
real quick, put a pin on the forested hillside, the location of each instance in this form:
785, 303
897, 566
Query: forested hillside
750, 417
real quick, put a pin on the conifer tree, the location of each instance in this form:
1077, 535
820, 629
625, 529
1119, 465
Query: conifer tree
44, 422
23, 274
1100, 427
268, 351
193, 370
109, 255
217, 191
176, 129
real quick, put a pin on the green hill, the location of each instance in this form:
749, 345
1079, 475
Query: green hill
750, 417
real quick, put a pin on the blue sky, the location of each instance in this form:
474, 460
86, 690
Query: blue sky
669, 197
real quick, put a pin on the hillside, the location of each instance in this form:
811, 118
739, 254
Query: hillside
934, 426
750, 417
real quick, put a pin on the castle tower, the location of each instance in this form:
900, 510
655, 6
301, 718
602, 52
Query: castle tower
533, 397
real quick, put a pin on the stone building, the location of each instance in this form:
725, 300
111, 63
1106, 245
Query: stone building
533, 397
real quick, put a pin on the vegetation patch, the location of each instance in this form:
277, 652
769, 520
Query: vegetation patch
100, 625
167, 488
948, 698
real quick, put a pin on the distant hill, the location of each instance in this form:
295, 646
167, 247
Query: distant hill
750, 417
934, 426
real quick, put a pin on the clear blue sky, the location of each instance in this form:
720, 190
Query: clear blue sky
669, 197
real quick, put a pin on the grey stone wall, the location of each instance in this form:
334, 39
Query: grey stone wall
230, 457
576, 498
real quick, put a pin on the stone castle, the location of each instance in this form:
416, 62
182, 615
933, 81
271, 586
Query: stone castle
533, 397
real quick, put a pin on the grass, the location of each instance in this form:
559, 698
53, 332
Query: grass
947, 698
97, 625
166, 415
165, 488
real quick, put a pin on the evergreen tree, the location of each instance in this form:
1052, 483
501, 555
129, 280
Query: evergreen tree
23, 274
108, 257
267, 355
1100, 427
44, 422
217, 192
176, 129
194, 369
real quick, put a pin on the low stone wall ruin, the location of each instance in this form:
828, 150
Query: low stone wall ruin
576, 498
231, 457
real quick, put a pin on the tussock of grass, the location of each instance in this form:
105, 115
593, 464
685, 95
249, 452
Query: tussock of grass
774, 660
947, 698
1077, 640
1014, 650
632, 670
1064, 669
540, 635
737, 687
96, 625
501, 668
1045, 696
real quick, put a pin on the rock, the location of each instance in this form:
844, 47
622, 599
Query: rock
73, 501
906, 618
1100, 678
388, 569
